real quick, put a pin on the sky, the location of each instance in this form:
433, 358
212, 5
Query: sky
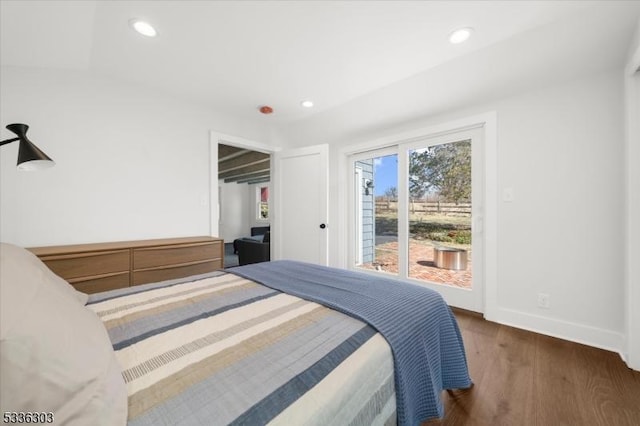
386, 173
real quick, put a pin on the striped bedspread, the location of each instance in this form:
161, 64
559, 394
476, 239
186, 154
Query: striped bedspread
222, 349
427, 347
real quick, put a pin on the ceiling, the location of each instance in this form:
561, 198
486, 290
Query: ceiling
235, 56
242, 165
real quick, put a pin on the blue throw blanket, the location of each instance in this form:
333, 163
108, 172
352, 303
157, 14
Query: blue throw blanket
419, 326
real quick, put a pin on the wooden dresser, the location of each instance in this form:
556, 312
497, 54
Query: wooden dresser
92, 268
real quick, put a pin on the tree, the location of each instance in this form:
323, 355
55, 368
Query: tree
442, 169
391, 193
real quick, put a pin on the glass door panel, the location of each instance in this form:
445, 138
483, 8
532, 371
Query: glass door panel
440, 213
376, 205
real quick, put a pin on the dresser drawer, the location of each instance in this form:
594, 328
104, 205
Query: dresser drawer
150, 257
171, 272
75, 265
103, 283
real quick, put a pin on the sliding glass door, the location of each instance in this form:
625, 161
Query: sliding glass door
417, 214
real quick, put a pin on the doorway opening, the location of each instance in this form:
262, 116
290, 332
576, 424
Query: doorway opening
241, 189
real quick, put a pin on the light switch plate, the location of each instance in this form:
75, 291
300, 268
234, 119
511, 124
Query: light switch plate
507, 195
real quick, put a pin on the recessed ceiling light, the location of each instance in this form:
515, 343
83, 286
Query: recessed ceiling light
460, 35
143, 27
307, 104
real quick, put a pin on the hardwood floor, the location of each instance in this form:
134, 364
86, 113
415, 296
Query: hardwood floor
523, 378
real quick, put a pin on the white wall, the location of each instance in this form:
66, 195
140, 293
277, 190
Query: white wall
235, 205
562, 150
238, 212
130, 163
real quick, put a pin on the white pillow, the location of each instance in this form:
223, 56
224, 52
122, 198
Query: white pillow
55, 354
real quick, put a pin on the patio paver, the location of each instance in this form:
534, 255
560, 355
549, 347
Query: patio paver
421, 264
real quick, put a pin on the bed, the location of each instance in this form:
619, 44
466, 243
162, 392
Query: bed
272, 343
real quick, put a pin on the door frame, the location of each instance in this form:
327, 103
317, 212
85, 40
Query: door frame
216, 138
488, 122
357, 176
631, 349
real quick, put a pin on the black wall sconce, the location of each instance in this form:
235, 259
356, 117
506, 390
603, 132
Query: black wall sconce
30, 157
368, 186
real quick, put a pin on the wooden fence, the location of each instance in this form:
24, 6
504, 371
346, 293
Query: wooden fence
428, 207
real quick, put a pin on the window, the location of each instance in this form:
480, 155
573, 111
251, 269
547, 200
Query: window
262, 195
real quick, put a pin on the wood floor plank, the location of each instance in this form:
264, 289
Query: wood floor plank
527, 379
556, 378
602, 384
510, 378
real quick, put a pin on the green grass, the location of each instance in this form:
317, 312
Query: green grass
453, 230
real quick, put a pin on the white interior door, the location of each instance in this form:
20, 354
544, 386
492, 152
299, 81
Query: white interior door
300, 213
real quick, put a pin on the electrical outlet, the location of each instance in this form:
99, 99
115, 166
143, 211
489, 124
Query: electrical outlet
543, 300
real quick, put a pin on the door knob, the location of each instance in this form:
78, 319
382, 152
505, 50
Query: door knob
322, 226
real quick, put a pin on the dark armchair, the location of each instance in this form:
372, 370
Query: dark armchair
260, 230
253, 251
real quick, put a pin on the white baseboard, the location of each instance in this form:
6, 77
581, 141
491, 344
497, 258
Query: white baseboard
579, 333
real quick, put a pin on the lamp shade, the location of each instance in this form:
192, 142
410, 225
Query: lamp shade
30, 157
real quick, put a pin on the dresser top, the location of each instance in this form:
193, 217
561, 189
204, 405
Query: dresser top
118, 245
